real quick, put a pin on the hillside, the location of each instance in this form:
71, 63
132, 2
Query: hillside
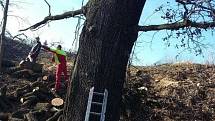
15, 50
170, 92
166, 92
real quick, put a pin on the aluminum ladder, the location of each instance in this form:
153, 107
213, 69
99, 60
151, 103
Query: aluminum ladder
96, 106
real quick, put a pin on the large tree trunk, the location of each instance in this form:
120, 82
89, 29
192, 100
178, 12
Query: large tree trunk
106, 42
3, 32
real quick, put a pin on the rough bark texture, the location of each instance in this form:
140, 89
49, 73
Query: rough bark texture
3, 32
106, 42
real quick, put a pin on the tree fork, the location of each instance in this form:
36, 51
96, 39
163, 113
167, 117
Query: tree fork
106, 42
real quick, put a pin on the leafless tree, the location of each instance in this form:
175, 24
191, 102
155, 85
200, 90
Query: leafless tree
3, 31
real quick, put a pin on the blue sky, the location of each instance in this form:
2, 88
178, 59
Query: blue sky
146, 53
33, 11
151, 49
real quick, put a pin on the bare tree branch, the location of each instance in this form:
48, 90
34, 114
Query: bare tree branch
49, 7
56, 17
17, 36
176, 26
2, 4
185, 8
187, 2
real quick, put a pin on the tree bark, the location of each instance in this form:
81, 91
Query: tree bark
106, 41
3, 32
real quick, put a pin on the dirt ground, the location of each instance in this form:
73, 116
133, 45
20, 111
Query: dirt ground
170, 92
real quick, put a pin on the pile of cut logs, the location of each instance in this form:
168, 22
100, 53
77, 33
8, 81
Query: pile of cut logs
33, 102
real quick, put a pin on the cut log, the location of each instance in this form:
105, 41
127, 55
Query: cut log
25, 73
39, 115
42, 106
3, 90
15, 119
29, 89
21, 91
54, 109
31, 117
57, 102
12, 69
45, 78
4, 116
31, 65
26, 87
31, 97
36, 91
29, 101
20, 113
38, 84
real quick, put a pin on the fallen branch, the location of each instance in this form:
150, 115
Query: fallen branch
56, 17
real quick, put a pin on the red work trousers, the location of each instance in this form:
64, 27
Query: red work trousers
61, 68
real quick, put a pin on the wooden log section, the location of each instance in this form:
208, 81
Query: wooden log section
20, 113
45, 78
29, 101
29, 88
3, 90
31, 65
31, 117
57, 102
39, 115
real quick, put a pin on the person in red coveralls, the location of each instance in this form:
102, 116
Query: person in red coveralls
60, 58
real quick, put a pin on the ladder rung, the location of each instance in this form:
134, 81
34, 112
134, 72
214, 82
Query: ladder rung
98, 93
94, 113
97, 103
